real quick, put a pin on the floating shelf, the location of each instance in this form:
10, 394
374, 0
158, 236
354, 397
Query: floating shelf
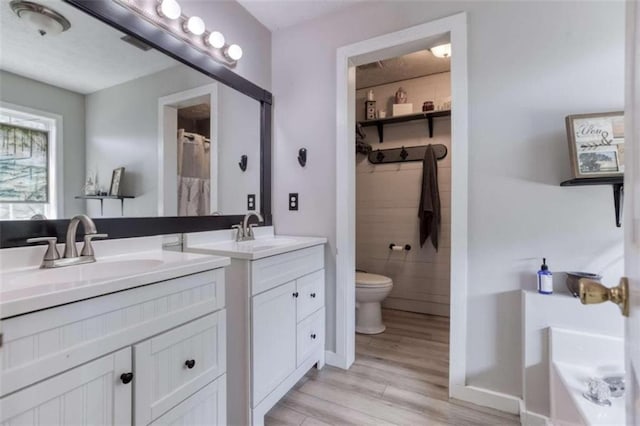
617, 182
101, 198
429, 116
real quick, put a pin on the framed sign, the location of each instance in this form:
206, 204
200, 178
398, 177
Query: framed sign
115, 189
596, 144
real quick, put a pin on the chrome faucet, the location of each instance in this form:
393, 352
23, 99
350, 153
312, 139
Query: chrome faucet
52, 258
244, 230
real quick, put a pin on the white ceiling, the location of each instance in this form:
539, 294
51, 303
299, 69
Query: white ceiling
277, 14
88, 57
413, 65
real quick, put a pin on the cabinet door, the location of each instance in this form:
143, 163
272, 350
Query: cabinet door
92, 394
208, 406
274, 339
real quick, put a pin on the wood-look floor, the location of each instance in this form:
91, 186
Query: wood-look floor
399, 377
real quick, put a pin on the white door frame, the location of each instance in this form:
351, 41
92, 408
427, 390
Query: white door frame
347, 58
167, 145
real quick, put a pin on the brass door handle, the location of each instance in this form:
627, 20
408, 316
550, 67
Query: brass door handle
592, 292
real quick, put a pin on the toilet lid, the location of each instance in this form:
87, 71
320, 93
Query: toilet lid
364, 279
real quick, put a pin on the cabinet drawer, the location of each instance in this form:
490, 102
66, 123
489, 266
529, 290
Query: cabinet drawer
208, 406
175, 364
44, 343
310, 336
272, 271
310, 290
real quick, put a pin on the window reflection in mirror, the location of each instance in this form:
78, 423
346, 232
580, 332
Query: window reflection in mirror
77, 105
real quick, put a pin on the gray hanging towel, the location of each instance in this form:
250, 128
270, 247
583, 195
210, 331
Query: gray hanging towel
429, 208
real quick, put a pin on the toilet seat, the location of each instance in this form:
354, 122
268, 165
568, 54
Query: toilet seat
365, 279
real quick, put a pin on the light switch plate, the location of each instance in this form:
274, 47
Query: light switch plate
251, 202
293, 201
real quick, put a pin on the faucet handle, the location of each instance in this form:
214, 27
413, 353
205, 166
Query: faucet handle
87, 248
240, 231
52, 250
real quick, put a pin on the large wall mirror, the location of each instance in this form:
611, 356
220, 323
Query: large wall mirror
95, 121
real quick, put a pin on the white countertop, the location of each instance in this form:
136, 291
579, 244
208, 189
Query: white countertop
266, 244
29, 288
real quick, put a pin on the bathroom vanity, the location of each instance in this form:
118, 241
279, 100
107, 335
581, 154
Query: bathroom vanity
276, 317
137, 337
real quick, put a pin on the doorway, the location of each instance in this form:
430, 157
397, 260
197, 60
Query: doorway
188, 152
380, 48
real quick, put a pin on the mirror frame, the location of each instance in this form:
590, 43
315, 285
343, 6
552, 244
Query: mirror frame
15, 233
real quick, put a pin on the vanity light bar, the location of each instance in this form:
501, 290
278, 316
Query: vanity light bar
167, 15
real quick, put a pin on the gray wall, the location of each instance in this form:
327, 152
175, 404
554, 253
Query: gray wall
70, 105
238, 26
122, 131
530, 65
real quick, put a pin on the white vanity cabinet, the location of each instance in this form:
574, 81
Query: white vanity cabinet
280, 301
153, 354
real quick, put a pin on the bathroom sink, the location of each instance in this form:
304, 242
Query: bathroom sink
88, 272
265, 243
263, 246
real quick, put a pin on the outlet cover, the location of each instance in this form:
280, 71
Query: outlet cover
251, 202
293, 201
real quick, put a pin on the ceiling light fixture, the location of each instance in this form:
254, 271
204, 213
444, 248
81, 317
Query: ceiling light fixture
169, 9
195, 25
164, 14
442, 51
215, 39
44, 19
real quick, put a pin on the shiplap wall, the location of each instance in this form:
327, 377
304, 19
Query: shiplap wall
387, 198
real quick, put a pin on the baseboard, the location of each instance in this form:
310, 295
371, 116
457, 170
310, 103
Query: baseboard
487, 398
528, 418
333, 359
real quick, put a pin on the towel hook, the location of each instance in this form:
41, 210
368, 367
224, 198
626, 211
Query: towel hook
302, 157
243, 163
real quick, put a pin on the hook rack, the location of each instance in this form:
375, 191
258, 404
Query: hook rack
401, 155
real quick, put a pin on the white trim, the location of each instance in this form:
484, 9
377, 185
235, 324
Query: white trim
487, 398
528, 418
332, 359
173, 101
56, 164
362, 52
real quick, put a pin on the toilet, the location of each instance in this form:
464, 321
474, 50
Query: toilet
371, 290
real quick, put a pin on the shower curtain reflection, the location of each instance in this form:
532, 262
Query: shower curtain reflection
194, 174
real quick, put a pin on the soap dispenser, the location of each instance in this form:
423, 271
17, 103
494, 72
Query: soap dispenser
545, 279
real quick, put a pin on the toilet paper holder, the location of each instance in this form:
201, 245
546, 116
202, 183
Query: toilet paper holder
397, 247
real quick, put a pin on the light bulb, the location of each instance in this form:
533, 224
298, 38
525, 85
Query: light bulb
234, 52
215, 39
194, 25
169, 9
442, 51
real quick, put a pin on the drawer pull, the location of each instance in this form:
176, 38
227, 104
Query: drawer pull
126, 378
313, 335
296, 294
313, 295
190, 363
